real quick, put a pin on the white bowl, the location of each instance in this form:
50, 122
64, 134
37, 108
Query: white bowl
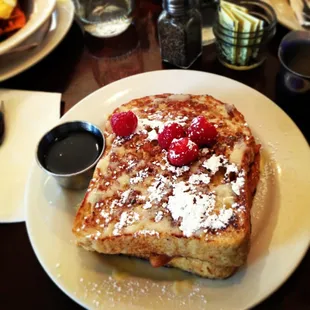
37, 12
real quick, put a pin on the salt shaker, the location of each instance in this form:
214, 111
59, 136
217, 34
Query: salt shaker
179, 33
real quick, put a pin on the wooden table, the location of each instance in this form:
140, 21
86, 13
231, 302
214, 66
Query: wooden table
78, 67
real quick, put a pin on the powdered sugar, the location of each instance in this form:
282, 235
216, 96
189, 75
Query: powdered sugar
235, 205
194, 211
190, 144
106, 216
141, 197
140, 176
231, 168
125, 196
204, 151
156, 116
239, 183
131, 164
147, 232
159, 188
114, 292
147, 205
127, 218
218, 221
178, 171
152, 135
118, 141
154, 124
181, 120
197, 178
214, 163
159, 216
173, 154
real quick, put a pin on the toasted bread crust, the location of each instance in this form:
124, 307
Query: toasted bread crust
98, 223
219, 253
202, 268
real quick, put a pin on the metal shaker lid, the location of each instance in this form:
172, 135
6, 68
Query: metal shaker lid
177, 7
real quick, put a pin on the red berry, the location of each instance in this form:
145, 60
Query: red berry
201, 131
170, 132
182, 152
124, 123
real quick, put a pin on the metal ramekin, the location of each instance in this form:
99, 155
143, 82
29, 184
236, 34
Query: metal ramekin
80, 179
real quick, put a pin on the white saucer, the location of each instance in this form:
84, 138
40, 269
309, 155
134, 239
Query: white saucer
60, 22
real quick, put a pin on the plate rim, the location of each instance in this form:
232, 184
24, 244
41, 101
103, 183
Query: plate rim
250, 305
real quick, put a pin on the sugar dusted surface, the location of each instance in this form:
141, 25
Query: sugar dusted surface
134, 167
116, 290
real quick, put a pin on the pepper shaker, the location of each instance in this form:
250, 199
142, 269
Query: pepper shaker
179, 33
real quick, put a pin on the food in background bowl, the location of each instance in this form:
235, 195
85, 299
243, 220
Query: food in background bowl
12, 18
36, 12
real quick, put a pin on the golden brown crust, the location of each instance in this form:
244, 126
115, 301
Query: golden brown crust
230, 253
98, 224
202, 268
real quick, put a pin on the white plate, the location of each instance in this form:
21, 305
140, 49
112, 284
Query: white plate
40, 12
285, 14
61, 20
280, 215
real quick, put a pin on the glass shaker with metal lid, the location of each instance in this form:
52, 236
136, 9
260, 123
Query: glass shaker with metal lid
179, 32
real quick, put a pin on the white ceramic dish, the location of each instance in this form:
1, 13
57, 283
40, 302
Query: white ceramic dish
61, 20
40, 11
280, 215
285, 14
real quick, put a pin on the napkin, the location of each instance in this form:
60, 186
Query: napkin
28, 115
298, 6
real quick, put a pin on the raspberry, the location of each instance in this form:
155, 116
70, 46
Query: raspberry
201, 131
170, 132
124, 123
182, 152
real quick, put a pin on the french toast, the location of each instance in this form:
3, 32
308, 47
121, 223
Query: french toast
139, 204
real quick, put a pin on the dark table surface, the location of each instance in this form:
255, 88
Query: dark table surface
79, 66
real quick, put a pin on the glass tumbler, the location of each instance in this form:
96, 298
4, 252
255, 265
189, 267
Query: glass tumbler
115, 58
104, 18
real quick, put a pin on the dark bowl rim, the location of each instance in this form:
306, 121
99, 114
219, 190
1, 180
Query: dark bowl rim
280, 53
